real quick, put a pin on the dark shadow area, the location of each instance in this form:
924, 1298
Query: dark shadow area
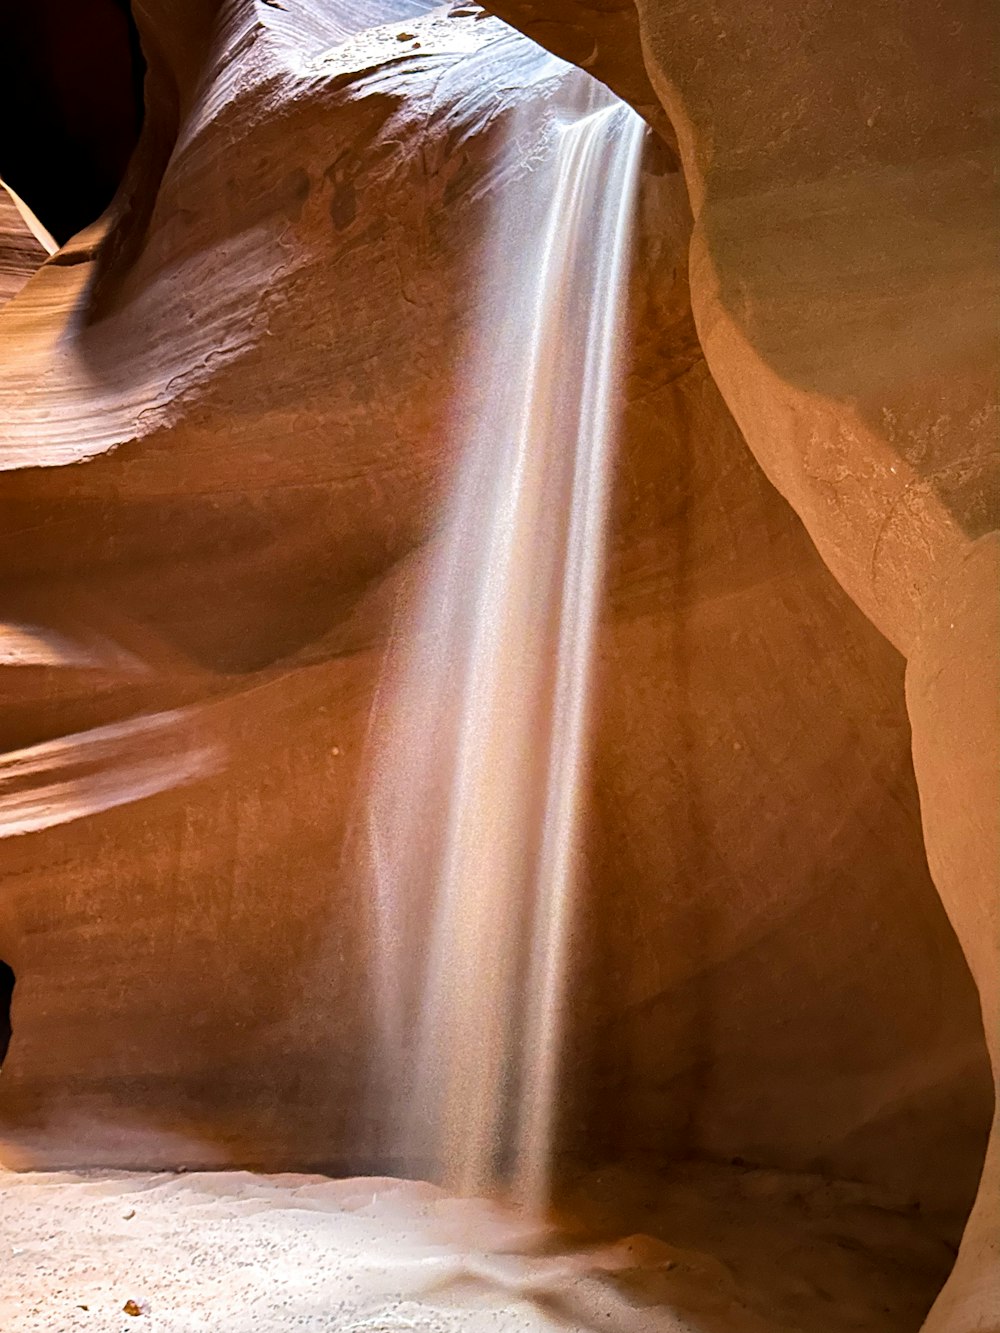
7, 980
71, 81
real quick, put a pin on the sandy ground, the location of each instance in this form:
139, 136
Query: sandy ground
752, 1252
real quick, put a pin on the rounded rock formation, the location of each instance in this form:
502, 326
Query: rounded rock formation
225, 427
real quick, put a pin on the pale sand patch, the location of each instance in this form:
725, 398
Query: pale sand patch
245, 1253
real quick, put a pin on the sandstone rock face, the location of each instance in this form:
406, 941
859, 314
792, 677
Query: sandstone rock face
844, 280
20, 253
226, 424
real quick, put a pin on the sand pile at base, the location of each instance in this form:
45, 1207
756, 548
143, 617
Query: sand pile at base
759, 1253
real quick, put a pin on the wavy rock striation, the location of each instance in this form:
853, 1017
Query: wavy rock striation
843, 276
225, 426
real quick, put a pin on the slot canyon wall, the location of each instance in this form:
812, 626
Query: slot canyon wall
20, 253
840, 164
225, 423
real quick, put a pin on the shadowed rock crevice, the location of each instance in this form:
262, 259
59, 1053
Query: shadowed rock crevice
7, 980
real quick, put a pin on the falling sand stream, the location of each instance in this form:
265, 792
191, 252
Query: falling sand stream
480, 727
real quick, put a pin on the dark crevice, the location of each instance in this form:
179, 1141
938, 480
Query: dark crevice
71, 101
6, 995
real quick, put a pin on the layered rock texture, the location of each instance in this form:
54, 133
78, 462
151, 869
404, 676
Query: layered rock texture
843, 272
226, 423
21, 253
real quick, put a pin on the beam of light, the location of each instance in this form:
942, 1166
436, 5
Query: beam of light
74, 776
480, 728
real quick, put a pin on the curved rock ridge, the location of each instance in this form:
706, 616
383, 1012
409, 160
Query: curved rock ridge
226, 424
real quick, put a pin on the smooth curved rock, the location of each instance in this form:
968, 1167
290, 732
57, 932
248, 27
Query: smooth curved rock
225, 427
843, 271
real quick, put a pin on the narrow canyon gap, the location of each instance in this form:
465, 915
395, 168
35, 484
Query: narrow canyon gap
7, 980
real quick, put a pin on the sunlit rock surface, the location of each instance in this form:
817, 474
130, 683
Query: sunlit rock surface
225, 426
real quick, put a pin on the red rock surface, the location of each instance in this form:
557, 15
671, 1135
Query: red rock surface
20, 253
224, 423
844, 285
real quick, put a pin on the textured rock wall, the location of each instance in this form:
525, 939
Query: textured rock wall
20, 253
844, 283
225, 423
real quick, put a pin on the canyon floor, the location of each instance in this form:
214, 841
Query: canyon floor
704, 1249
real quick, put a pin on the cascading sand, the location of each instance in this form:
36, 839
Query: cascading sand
479, 733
